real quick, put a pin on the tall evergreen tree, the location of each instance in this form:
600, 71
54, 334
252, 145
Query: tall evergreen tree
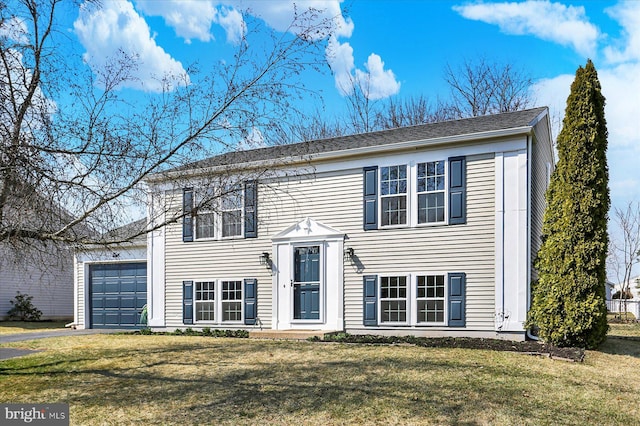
569, 298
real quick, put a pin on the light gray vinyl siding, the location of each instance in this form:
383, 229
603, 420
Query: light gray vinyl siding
327, 199
542, 156
466, 248
46, 274
335, 199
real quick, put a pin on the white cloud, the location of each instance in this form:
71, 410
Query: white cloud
619, 84
233, 24
14, 29
377, 82
628, 15
279, 14
566, 25
189, 19
340, 58
115, 26
553, 92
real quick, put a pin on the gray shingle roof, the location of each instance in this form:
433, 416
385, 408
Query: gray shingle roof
487, 123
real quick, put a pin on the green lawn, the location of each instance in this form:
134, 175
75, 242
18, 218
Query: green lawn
14, 327
125, 379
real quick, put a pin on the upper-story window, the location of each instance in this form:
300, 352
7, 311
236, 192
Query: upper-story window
205, 222
219, 214
415, 194
231, 212
431, 191
393, 195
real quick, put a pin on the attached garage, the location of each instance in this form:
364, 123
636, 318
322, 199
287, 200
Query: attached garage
117, 294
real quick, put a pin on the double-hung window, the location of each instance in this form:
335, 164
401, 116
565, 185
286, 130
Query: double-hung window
393, 195
219, 214
393, 299
430, 298
218, 301
416, 193
231, 212
205, 220
415, 300
231, 300
431, 192
205, 300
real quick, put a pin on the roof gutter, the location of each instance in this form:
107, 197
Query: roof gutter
349, 152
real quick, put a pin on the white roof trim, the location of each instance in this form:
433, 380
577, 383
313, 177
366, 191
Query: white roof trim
308, 229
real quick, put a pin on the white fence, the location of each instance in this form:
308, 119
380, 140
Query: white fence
633, 306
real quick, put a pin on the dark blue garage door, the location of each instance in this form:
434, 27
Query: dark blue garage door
118, 293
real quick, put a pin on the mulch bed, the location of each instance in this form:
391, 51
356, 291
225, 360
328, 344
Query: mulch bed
527, 347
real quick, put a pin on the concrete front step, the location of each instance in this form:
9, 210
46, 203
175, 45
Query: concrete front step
286, 334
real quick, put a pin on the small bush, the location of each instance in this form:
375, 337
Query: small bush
622, 295
23, 308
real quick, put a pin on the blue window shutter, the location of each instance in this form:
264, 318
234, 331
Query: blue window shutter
187, 214
457, 190
187, 302
251, 209
456, 299
370, 192
370, 298
250, 299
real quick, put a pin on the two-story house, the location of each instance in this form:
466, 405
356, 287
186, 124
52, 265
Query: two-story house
427, 230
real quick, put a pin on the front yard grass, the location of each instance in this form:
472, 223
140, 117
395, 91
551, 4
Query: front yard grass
14, 327
127, 379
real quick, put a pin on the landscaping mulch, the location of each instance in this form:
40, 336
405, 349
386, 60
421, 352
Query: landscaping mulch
528, 347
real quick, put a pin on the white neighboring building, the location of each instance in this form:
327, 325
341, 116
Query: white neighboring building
633, 304
47, 275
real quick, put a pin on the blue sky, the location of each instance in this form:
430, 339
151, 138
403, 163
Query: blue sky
404, 46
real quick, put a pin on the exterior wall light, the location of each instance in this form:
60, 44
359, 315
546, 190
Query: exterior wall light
265, 260
348, 253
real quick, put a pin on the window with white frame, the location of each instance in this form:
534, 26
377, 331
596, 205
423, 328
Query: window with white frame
218, 301
430, 298
431, 191
220, 215
231, 300
231, 212
205, 301
393, 299
393, 195
205, 225
205, 221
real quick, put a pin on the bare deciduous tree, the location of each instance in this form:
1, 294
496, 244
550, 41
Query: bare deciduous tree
481, 87
75, 151
411, 111
624, 249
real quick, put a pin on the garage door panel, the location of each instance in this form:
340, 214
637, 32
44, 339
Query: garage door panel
127, 286
112, 287
127, 302
112, 318
118, 294
128, 317
111, 302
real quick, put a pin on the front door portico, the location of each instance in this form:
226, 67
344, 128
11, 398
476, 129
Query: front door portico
308, 277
